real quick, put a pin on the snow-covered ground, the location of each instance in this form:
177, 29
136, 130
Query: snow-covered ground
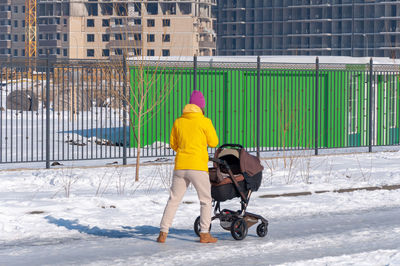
100, 216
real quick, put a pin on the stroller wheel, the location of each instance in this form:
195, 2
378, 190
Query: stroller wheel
239, 229
262, 229
196, 226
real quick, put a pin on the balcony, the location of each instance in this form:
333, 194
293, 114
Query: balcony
5, 28
207, 44
49, 28
5, 14
5, 44
49, 43
124, 44
124, 28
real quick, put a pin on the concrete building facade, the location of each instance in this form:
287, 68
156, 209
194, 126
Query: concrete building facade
309, 27
100, 29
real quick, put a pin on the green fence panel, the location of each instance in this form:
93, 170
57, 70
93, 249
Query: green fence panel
287, 106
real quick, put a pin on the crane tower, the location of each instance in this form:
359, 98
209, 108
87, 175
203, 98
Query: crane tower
31, 28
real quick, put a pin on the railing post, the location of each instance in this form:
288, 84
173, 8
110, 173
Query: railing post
258, 104
371, 101
194, 72
124, 115
316, 103
47, 111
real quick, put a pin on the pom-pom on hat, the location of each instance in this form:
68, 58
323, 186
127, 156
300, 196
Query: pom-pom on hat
197, 98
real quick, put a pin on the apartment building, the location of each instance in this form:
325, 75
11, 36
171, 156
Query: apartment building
309, 27
12, 27
101, 29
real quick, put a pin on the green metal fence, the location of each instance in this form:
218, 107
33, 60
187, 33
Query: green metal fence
302, 106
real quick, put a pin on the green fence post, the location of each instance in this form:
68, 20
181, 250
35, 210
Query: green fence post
370, 106
316, 103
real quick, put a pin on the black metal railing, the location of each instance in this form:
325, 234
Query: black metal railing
63, 110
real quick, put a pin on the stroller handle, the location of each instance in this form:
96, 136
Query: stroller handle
231, 145
219, 161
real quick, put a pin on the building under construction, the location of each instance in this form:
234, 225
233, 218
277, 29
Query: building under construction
309, 27
100, 29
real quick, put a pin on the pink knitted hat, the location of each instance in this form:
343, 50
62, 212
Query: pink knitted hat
197, 98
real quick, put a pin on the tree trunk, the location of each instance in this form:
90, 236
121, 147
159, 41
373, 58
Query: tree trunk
138, 149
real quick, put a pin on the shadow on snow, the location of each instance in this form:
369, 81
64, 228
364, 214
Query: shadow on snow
144, 232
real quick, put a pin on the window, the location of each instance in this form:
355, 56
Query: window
15, 9
90, 52
151, 23
106, 23
105, 52
165, 52
65, 37
166, 22
90, 23
16, 23
152, 8
166, 38
150, 52
118, 21
92, 9
106, 37
23, 37
23, 9
23, 24
15, 52
150, 38
58, 36
22, 52
15, 38
118, 36
137, 36
118, 51
65, 52
65, 22
137, 21
90, 38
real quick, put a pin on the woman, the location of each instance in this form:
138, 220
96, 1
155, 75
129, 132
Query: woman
190, 136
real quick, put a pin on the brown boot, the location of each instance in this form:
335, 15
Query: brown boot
207, 238
161, 237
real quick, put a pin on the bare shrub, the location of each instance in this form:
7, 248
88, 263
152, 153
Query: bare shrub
67, 178
101, 186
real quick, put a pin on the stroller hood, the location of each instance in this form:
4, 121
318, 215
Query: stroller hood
249, 164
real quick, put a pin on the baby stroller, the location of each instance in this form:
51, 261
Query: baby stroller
235, 173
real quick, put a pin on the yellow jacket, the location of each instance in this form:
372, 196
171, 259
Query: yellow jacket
190, 135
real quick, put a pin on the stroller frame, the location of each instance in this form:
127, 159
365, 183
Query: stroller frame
237, 222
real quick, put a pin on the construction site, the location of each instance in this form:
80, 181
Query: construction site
83, 29
309, 27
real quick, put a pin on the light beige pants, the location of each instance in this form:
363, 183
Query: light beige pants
180, 182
